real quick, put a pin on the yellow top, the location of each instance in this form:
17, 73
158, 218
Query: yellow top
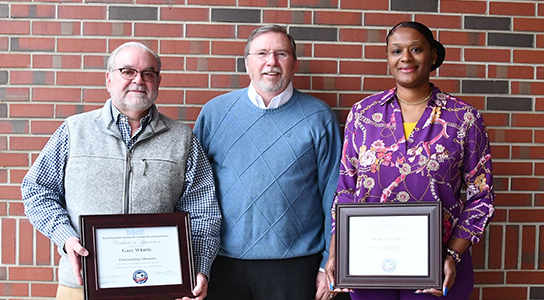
408, 128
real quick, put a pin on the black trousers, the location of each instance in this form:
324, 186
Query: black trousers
282, 279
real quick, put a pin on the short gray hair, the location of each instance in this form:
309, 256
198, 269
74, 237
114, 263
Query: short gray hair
271, 28
113, 55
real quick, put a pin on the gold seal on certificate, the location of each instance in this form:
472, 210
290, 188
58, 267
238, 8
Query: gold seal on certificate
137, 256
389, 245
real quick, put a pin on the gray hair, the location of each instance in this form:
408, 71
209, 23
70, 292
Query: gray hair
271, 28
113, 55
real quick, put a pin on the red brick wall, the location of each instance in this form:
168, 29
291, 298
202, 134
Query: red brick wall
52, 58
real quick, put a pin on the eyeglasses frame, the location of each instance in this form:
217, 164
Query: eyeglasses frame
140, 72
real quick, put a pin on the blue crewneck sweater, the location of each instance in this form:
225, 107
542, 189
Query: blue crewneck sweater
276, 174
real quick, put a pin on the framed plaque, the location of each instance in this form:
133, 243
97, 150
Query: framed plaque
137, 256
389, 245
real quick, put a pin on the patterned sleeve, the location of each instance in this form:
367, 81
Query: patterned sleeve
42, 190
200, 201
347, 181
477, 174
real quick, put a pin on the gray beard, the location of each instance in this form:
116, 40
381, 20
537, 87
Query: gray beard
269, 87
141, 105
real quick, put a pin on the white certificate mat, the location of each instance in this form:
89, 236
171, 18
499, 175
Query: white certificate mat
389, 245
137, 257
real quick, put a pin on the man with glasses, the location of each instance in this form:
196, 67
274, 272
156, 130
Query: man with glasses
275, 153
124, 158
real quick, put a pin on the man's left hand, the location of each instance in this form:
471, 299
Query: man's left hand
201, 289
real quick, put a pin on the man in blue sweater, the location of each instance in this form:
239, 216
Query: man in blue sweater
275, 153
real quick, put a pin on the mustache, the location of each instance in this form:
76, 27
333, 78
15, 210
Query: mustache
271, 70
139, 88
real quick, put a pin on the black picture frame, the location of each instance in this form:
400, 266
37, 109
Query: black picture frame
429, 213
90, 225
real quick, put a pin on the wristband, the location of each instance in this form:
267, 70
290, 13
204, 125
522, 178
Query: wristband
454, 254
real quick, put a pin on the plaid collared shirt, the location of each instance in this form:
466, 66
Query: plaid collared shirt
124, 127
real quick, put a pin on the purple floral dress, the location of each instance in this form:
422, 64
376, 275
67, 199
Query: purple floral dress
447, 151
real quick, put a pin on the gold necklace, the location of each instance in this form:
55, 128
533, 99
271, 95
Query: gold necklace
414, 103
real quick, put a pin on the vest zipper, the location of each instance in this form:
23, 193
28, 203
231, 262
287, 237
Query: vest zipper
127, 181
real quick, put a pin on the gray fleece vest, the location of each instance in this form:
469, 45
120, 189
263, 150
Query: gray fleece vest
104, 177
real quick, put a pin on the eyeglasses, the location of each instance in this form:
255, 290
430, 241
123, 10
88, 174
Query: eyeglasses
279, 55
147, 75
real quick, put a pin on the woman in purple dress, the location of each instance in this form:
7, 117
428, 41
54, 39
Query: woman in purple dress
417, 143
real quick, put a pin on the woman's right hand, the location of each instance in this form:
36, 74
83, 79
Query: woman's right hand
330, 268
329, 271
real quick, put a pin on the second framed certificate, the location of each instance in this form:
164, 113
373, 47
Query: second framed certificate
137, 256
389, 245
